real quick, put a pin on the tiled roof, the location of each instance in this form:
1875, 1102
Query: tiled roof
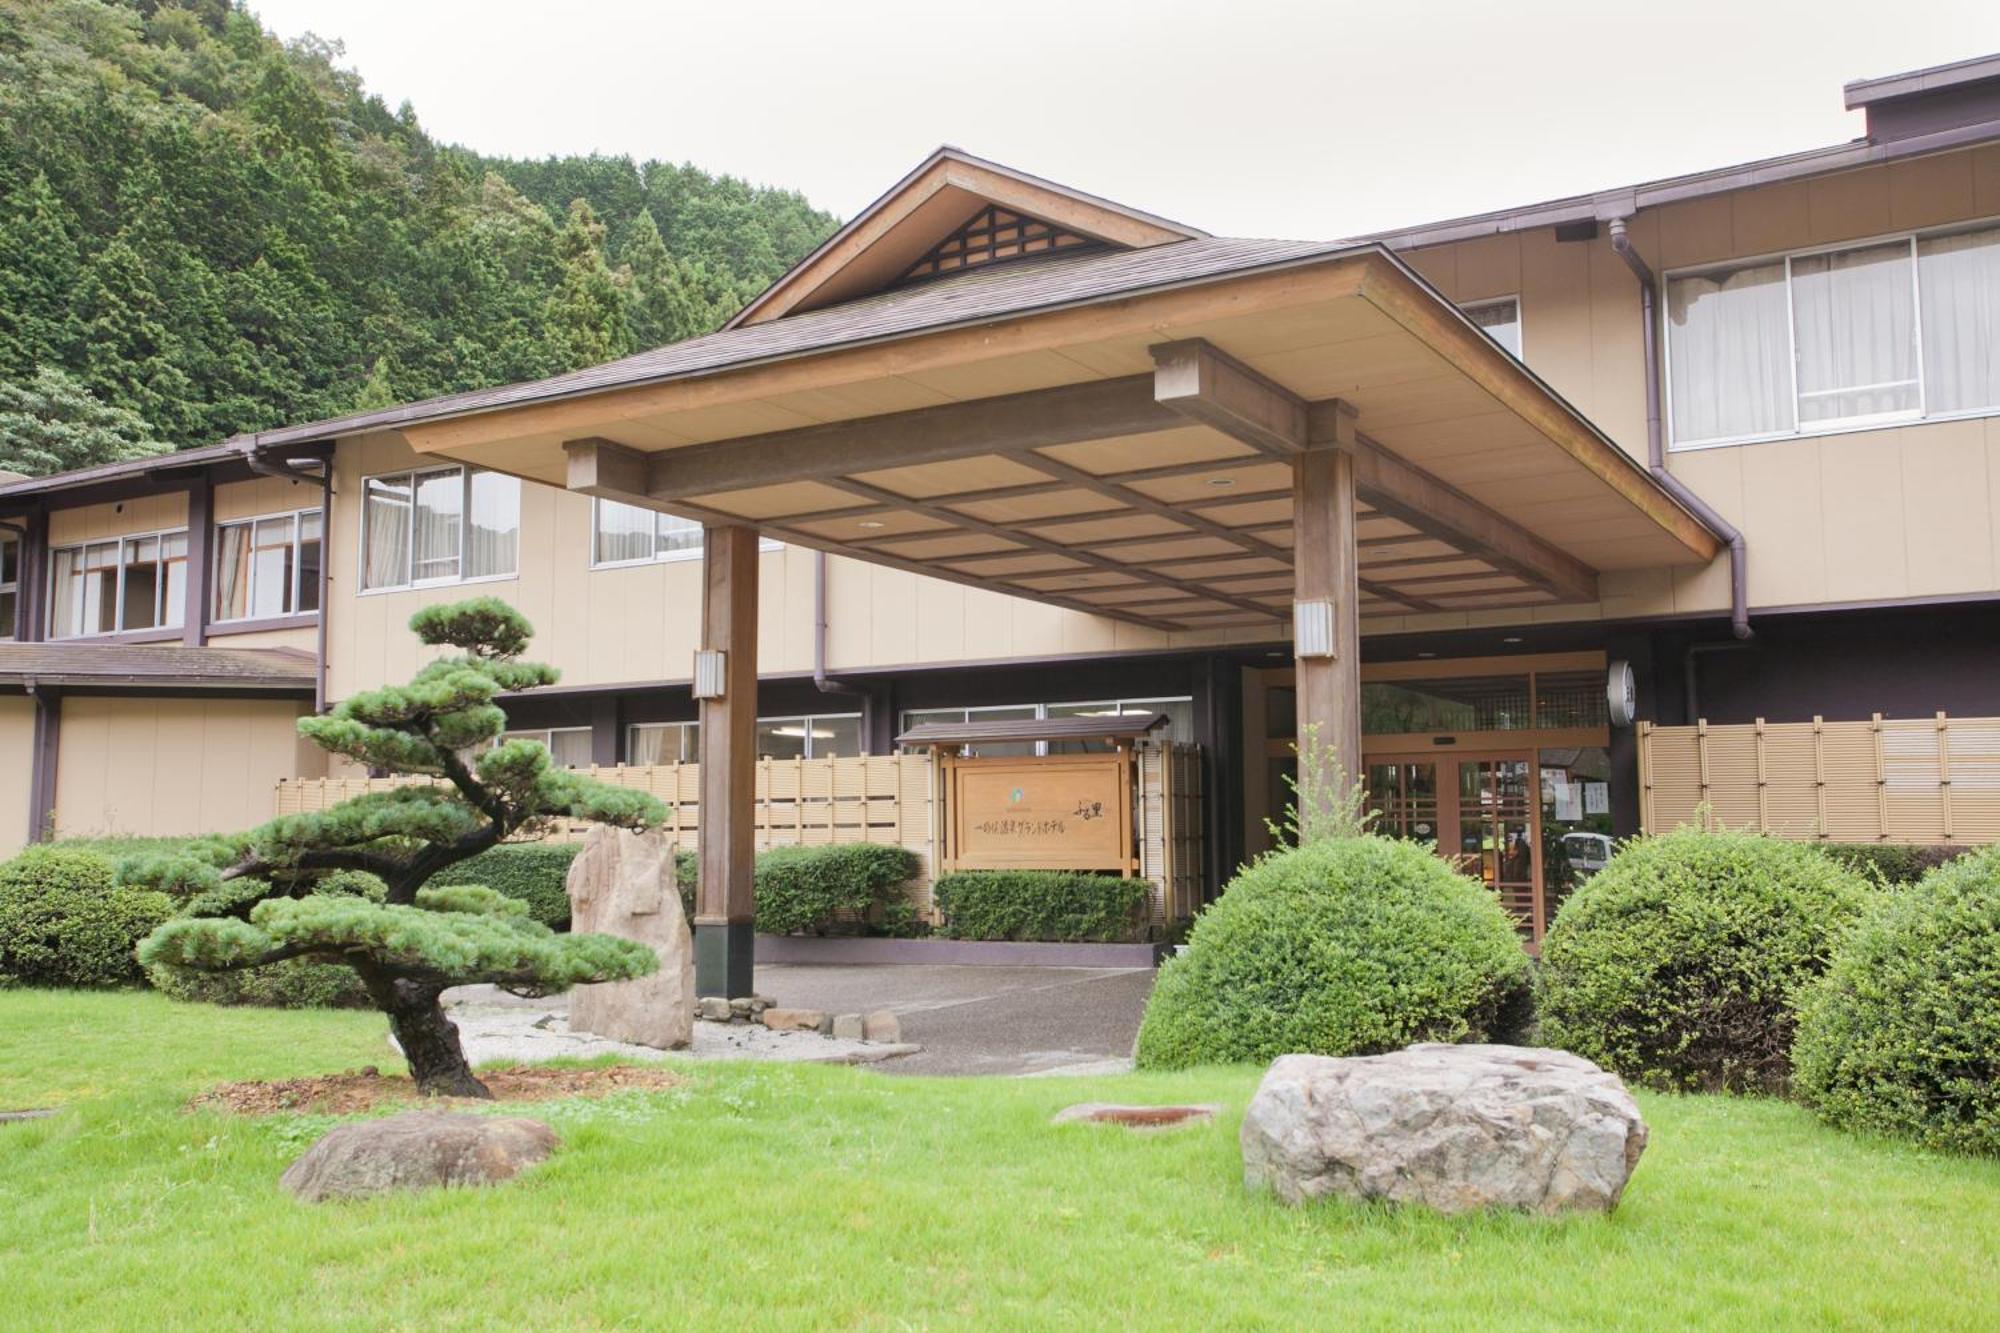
970, 297
1123, 726
157, 666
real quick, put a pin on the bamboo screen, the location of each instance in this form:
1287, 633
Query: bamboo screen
870, 798
1922, 781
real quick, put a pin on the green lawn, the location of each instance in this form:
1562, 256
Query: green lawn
776, 1196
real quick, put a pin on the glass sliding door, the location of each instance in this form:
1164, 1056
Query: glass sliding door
1497, 813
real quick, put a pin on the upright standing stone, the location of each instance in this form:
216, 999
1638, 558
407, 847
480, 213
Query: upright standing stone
622, 883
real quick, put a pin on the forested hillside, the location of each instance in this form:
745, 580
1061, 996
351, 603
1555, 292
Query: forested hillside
204, 231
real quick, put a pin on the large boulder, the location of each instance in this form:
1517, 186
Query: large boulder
417, 1150
1455, 1128
622, 883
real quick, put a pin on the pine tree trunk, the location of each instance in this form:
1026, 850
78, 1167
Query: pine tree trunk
429, 1039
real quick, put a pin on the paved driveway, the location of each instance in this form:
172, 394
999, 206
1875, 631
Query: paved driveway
982, 1020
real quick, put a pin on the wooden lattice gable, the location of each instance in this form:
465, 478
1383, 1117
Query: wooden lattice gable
995, 235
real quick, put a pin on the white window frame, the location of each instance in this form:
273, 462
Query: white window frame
658, 557
808, 719
9, 627
125, 540
465, 475
1838, 426
298, 581
684, 725
1520, 326
544, 736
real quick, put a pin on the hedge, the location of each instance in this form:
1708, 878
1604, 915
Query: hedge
1902, 1035
851, 887
296, 983
1346, 946
63, 923
533, 872
1678, 965
1039, 905
1889, 864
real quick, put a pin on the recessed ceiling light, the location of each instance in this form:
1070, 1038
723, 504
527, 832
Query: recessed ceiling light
1222, 481
872, 523
1511, 638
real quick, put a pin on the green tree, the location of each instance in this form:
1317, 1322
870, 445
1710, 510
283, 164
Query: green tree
584, 320
52, 423
348, 885
38, 275
667, 302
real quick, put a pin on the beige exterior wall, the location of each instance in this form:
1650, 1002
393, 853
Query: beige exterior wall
266, 495
149, 513
1902, 512
178, 765
17, 735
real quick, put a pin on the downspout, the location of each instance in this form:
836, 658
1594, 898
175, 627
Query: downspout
1656, 462
265, 467
823, 682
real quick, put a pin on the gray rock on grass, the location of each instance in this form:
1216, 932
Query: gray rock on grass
1454, 1128
623, 883
416, 1150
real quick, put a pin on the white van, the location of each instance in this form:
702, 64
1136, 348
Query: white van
1587, 852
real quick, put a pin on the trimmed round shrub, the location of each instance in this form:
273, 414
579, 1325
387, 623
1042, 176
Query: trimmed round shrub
1679, 965
296, 983
1889, 864
1902, 1035
64, 923
1348, 946
1065, 905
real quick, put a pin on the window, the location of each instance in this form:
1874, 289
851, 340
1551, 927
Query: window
568, 747
662, 743
1864, 335
108, 587
816, 737
625, 534
439, 525
267, 567
1500, 319
10, 583
1001, 713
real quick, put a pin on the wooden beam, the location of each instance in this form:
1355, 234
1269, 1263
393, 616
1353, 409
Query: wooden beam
606, 469
1067, 414
725, 903
1324, 570
1206, 384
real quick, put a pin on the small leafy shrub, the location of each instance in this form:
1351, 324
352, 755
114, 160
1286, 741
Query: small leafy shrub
1039, 905
1902, 1035
687, 870
530, 872
1888, 864
64, 923
819, 890
1344, 946
1679, 964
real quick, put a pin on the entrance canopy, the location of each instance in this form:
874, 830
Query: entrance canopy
1036, 391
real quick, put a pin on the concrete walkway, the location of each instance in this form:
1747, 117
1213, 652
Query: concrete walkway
983, 1020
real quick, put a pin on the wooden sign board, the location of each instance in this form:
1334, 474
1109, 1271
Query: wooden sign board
1055, 812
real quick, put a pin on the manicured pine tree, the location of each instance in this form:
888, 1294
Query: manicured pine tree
347, 885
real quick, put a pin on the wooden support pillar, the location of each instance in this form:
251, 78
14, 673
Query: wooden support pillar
724, 904
1326, 626
45, 751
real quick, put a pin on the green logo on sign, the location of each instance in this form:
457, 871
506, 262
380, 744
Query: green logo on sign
1018, 794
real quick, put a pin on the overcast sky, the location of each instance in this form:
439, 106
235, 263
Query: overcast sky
1244, 117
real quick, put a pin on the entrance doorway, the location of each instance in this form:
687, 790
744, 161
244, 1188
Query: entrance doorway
1489, 761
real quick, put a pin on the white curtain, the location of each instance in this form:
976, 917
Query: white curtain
624, 532
1731, 353
232, 569
1960, 281
660, 742
385, 559
569, 747
1854, 318
436, 525
677, 534
271, 568
309, 558
493, 537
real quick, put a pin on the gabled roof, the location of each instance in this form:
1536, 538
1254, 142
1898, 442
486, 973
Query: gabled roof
949, 188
